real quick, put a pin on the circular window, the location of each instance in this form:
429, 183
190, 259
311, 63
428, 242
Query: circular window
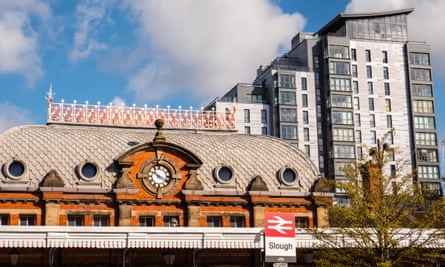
16, 169
223, 174
288, 176
87, 171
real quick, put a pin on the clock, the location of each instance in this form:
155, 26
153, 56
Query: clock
159, 176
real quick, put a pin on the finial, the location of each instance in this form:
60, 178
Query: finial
50, 94
159, 136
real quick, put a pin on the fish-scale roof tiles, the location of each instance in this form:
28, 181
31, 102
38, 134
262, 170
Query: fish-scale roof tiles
63, 148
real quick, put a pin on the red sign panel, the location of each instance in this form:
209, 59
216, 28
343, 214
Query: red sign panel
279, 224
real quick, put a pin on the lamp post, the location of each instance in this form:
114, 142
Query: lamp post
14, 257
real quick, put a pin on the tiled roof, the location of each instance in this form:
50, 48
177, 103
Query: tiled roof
62, 148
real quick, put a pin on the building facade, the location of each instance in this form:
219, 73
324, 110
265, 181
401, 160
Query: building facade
101, 195
336, 91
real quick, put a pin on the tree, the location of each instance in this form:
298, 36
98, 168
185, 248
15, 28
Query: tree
387, 221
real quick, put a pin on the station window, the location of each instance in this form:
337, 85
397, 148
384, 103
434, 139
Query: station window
146, 221
26, 220
237, 221
214, 221
101, 220
301, 222
75, 220
4, 219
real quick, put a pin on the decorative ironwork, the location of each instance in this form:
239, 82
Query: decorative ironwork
112, 115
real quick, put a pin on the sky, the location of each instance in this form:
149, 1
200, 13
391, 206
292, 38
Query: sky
166, 52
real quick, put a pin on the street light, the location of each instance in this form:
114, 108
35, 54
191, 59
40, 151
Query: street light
14, 256
169, 257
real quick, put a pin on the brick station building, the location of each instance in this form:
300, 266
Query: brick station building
95, 195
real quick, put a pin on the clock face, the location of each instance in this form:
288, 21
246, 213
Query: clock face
159, 176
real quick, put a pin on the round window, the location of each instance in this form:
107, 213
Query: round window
89, 170
289, 176
16, 168
225, 174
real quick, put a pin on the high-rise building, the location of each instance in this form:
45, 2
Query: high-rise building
338, 90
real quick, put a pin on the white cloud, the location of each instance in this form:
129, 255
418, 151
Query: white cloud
90, 16
424, 24
205, 47
11, 116
19, 42
118, 101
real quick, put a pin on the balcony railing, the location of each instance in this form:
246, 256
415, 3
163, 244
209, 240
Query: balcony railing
140, 117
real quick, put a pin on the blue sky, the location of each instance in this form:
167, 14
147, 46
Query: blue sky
175, 52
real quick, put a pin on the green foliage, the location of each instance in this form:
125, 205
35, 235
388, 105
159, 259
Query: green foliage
386, 221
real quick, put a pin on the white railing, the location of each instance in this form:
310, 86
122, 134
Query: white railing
76, 113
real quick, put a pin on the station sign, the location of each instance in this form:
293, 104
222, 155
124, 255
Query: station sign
279, 229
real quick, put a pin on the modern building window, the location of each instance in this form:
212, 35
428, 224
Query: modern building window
214, 221
343, 134
301, 222
319, 128
304, 100
337, 51
4, 219
303, 83
371, 104
287, 81
359, 152
339, 68
373, 137
246, 116
423, 122
237, 221
427, 155
428, 172
342, 117
146, 221
247, 129
75, 220
426, 139
358, 136
422, 90
384, 57
357, 120
423, 106
369, 72
419, 58
307, 149
171, 221
306, 134
289, 132
101, 220
287, 98
387, 89
372, 120
340, 84
263, 116
355, 86
356, 103
26, 220
305, 117
344, 151
370, 88
353, 54
390, 139
354, 71
316, 62
420, 74
341, 101
288, 114
317, 79
263, 130
368, 55
388, 106
385, 73
388, 121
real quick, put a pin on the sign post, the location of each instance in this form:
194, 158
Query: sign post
279, 229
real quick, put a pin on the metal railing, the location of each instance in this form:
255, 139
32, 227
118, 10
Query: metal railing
144, 117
